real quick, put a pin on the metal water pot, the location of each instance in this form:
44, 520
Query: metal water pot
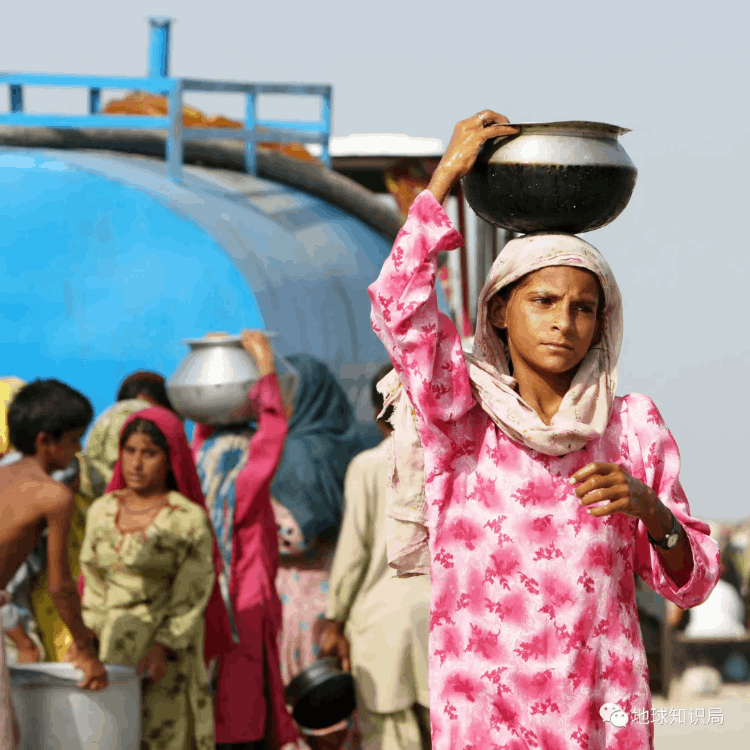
567, 177
212, 383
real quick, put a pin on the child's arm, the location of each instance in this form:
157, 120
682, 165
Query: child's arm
62, 588
28, 651
422, 342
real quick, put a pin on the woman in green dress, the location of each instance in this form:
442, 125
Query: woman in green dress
149, 560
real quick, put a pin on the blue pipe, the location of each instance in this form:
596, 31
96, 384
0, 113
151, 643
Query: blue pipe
158, 62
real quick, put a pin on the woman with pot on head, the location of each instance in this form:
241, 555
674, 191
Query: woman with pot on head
302, 466
150, 563
236, 466
539, 490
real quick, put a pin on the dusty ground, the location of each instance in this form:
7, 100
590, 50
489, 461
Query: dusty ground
732, 705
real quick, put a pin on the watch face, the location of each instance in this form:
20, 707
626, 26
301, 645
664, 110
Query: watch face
672, 539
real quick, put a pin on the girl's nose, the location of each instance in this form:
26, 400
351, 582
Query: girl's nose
563, 319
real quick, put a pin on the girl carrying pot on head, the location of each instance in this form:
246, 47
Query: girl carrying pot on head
540, 491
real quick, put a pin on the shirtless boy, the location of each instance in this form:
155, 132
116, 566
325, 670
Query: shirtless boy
46, 422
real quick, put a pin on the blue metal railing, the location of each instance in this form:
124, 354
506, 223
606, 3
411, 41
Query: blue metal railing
160, 82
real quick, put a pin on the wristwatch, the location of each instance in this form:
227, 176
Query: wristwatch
671, 539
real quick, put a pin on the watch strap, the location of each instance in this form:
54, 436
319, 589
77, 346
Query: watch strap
674, 530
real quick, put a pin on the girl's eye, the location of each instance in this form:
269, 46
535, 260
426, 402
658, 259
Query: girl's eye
543, 300
586, 308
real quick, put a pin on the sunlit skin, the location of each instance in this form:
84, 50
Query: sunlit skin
30, 501
56, 455
145, 468
553, 306
52, 455
551, 319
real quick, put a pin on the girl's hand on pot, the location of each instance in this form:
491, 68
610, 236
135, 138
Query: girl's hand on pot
610, 483
467, 140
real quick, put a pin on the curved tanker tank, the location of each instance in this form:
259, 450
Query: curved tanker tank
107, 265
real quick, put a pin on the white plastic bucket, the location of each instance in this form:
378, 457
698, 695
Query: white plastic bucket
54, 714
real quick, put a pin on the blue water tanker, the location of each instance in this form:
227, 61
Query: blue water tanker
118, 240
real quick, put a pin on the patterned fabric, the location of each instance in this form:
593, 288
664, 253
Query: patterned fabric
153, 586
291, 538
220, 460
533, 622
583, 414
103, 446
219, 638
323, 437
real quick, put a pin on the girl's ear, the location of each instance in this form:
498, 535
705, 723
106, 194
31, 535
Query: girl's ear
496, 311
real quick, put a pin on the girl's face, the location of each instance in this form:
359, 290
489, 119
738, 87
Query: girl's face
144, 464
550, 319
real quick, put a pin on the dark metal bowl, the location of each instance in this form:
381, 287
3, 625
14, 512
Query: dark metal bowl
321, 695
567, 177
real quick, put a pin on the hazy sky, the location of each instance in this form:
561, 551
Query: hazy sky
675, 73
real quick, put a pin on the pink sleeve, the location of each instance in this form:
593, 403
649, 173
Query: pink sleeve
655, 460
266, 446
422, 342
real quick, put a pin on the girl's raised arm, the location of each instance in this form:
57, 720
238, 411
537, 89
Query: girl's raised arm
266, 445
423, 344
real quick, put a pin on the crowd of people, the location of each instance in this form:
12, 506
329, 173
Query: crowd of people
515, 494
206, 567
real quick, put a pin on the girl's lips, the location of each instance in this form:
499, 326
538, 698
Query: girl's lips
559, 346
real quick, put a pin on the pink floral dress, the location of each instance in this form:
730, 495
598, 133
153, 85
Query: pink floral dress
534, 624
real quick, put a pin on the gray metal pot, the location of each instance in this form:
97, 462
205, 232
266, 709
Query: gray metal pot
567, 177
211, 384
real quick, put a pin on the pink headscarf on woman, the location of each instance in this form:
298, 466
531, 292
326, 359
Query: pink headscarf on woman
218, 634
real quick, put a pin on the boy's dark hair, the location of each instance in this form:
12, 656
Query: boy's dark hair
147, 427
152, 384
46, 406
376, 397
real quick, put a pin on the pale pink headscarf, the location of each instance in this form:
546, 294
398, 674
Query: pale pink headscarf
583, 415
